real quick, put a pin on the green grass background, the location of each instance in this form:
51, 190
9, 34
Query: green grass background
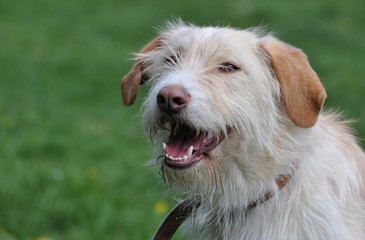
71, 156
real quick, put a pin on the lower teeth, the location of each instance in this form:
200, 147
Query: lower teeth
184, 158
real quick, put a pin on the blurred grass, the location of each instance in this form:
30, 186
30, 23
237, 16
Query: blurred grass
71, 157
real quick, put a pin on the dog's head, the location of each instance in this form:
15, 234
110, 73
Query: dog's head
220, 95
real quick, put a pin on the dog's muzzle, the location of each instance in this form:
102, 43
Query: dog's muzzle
186, 145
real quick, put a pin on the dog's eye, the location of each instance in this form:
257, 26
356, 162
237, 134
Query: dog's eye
171, 60
228, 67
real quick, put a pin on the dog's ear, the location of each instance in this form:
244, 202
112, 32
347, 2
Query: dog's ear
302, 92
131, 81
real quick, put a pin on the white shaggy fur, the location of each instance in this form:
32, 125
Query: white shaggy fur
325, 197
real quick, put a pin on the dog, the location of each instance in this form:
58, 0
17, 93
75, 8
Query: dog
236, 117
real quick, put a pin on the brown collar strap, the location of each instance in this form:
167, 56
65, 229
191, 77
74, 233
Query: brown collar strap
184, 209
175, 218
281, 181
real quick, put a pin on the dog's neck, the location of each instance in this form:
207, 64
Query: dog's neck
183, 210
281, 181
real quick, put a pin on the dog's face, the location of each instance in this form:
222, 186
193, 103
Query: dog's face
219, 96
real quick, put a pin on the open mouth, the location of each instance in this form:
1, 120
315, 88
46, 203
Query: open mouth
186, 146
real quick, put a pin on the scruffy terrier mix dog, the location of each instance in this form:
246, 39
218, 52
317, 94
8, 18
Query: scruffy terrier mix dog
236, 116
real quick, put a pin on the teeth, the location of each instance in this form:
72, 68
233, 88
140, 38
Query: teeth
164, 146
175, 159
184, 158
190, 151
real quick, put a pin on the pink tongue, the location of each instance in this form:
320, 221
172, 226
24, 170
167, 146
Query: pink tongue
178, 146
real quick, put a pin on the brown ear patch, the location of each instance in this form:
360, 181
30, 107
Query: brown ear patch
131, 81
130, 85
302, 92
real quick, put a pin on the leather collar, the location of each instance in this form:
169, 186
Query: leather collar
184, 209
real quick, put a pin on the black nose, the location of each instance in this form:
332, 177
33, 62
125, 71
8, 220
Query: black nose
172, 98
